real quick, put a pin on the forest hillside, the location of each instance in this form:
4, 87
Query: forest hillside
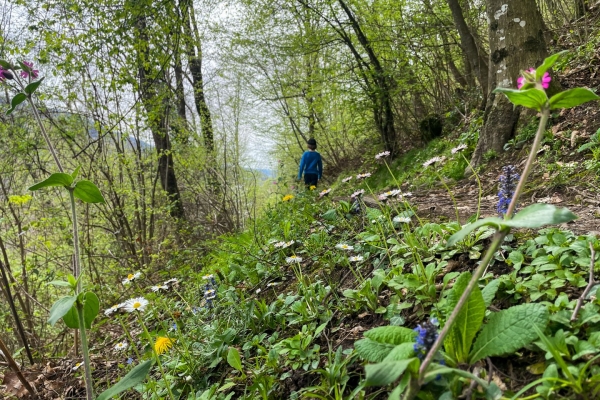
158, 241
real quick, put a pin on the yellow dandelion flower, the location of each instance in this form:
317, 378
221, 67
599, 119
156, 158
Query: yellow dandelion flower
312, 187
287, 197
163, 344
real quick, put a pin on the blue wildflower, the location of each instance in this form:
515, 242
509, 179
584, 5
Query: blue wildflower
506, 191
129, 360
427, 335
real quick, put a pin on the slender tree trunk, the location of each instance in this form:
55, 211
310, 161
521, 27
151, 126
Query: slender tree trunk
469, 46
517, 43
157, 113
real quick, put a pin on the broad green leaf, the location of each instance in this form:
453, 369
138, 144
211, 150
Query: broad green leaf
468, 321
88, 192
547, 64
57, 179
71, 319
330, 215
32, 87
391, 334
401, 352
60, 283
460, 235
384, 373
5, 64
134, 377
537, 215
572, 98
489, 292
509, 330
91, 307
530, 98
60, 308
233, 358
18, 99
373, 351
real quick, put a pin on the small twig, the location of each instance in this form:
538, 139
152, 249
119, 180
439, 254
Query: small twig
591, 283
15, 367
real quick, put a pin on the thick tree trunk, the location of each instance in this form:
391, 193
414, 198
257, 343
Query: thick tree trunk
157, 113
516, 35
469, 46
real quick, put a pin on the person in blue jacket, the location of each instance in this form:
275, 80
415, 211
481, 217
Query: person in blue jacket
311, 164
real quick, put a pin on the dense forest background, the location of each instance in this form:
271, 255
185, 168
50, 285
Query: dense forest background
191, 117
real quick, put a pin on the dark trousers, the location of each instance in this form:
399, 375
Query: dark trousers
311, 179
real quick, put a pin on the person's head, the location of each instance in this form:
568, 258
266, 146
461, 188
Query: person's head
312, 144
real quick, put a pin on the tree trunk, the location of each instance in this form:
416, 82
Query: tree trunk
157, 112
469, 46
516, 35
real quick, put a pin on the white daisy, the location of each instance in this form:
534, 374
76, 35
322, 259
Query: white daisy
355, 258
174, 281
458, 148
210, 294
434, 160
121, 346
207, 277
293, 259
111, 310
401, 220
382, 197
344, 246
131, 277
258, 291
347, 179
324, 192
395, 192
76, 366
362, 176
137, 304
358, 193
382, 155
159, 287
271, 284
279, 244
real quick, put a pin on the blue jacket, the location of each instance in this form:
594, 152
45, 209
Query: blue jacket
310, 163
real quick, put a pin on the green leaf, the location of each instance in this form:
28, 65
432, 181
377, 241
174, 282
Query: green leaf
5, 64
386, 372
509, 330
18, 99
57, 179
547, 64
530, 98
233, 358
75, 173
489, 292
330, 215
401, 352
391, 334
537, 215
91, 307
572, 98
468, 321
32, 87
134, 377
71, 319
373, 351
88, 192
60, 308
460, 235
60, 283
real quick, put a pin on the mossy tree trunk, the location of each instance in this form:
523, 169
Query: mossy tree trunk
516, 36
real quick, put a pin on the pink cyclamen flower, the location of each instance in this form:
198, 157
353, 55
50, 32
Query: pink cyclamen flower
33, 72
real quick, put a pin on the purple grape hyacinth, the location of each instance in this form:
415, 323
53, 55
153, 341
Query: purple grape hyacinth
427, 335
506, 191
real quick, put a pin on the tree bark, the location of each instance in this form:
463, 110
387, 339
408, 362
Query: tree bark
469, 46
516, 34
157, 112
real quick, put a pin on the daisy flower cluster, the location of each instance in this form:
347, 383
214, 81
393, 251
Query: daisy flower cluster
347, 247
363, 176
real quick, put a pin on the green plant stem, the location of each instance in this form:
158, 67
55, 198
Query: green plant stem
135, 350
89, 386
156, 355
499, 237
441, 178
45, 134
76, 261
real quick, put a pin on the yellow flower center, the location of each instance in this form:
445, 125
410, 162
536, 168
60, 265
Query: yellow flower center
137, 305
130, 276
